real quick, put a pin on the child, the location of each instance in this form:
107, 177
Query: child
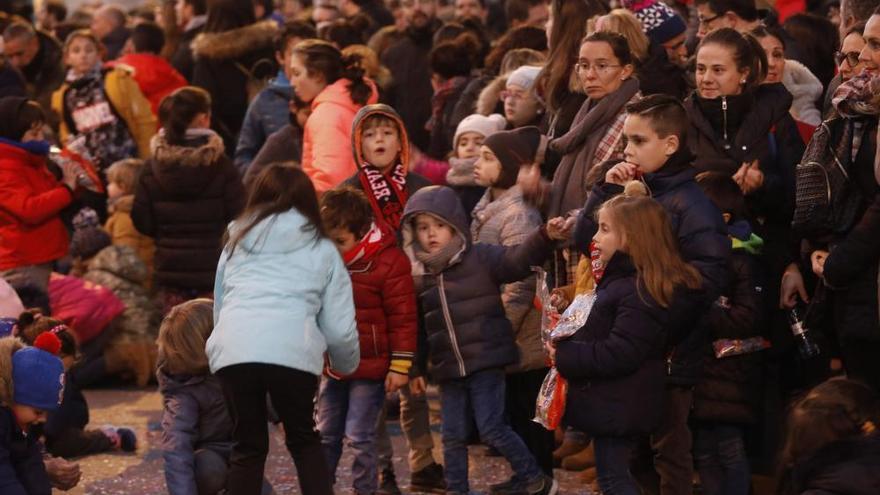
469, 136
104, 115
832, 444
185, 196
470, 340
271, 334
32, 381
122, 178
615, 362
65, 428
385, 311
196, 427
522, 107
656, 131
381, 152
728, 396
502, 217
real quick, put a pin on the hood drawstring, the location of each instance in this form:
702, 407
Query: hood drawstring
724, 116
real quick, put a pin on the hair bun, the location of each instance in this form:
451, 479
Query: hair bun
635, 188
48, 342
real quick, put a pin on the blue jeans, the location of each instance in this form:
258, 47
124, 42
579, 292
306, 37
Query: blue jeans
350, 409
720, 456
613, 455
480, 395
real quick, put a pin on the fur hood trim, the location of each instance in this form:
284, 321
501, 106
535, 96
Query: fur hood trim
489, 96
806, 89
236, 42
8, 347
204, 155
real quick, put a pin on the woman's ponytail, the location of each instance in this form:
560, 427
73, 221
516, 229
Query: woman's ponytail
353, 70
178, 110
323, 59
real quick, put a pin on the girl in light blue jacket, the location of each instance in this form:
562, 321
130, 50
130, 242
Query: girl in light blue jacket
282, 303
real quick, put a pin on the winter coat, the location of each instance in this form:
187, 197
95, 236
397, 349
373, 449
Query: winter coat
385, 309
730, 389
284, 145
806, 91
119, 269
31, 198
614, 363
467, 102
847, 466
702, 239
155, 77
269, 112
221, 62
123, 233
114, 42
489, 101
657, 75
128, 103
464, 320
443, 128
184, 198
183, 60
11, 81
84, 306
261, 317
508, 221
22, 471
195, 417
45, 73
325, 159
72, 414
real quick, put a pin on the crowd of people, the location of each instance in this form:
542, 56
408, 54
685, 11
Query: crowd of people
292, 211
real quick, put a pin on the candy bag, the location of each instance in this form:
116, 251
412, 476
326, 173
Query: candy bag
735, 347
550, 406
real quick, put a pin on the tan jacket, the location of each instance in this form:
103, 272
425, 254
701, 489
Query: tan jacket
123, 233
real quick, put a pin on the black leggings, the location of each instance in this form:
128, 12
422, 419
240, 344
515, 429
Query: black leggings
293, 396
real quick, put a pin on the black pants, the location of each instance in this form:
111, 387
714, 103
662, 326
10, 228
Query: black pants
293, 395
522, 393
861, 359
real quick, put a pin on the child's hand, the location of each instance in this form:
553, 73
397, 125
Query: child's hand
749, 177
560, 228
395, 381
62, 473
621, 173
529, 180
558, 300
417, 386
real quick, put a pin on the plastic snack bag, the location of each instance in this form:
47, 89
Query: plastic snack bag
551, 400
735, 347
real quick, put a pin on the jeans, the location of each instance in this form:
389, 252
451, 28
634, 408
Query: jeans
613, 456
480, 395
720, 455
293, 395
350, 409
416, 426
672, 443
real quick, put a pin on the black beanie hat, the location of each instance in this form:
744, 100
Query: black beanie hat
514, 149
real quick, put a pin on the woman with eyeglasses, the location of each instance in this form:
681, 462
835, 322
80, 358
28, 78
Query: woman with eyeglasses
847, 60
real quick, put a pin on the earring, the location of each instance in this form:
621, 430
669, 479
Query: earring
743, 81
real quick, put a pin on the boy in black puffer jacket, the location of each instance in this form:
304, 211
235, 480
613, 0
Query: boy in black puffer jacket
656, 133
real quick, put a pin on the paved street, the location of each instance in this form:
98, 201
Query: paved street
141, 473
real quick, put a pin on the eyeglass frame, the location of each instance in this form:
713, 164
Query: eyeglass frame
504, 94
578, 65
705, 22
839, 57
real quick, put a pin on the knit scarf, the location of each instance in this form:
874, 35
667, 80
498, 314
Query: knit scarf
438, 101
461, 172
367, 246
387, 194
580, 146
858, 97
437, 262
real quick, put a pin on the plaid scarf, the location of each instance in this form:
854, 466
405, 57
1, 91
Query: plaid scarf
611, 146
860, 96
387, 194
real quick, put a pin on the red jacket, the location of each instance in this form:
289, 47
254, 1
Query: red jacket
86, 307
31, 232
385, 310
154, 75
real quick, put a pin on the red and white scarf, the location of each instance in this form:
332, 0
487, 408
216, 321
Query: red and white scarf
387, 194
367, 246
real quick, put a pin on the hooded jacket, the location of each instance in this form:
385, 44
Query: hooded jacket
123, 233
22, 471
31, 198
154, 76
848, 466
195, 417
464, 320
221, 61
269, 112
283, 297
325, 159
184, 198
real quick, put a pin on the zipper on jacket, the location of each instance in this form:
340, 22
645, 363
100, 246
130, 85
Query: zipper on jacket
449, 327
375, 342
724, 117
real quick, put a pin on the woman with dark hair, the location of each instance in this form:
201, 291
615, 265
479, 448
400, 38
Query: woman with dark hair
337, 88
233, 52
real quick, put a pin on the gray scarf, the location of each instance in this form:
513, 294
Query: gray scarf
437, 262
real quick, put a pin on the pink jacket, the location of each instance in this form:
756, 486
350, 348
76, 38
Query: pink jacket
327, 157
86, 307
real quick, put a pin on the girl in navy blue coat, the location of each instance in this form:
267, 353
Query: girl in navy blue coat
615, 363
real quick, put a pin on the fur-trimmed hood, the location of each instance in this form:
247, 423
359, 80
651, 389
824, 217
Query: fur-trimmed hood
806, 89
8, 347
189, 168
235, 43
490, 95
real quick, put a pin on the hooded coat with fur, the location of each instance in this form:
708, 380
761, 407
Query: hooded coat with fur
222, 60
185, 197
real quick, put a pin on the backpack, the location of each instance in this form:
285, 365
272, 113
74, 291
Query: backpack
827, 202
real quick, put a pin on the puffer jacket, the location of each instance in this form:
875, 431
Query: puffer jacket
385, 310
195, 417
614, 363
85, 307
265, 115
284, 145
847, 466
31, 198
119, 269
326, 161
22, 471
508, 221
464, 321
123, 233
153, 74
702, 238
184, 198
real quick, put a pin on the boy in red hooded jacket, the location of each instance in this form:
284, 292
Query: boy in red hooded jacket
385, 310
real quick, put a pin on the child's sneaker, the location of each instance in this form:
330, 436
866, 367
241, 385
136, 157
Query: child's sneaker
429, 479
513, 486
388, 483
544, 485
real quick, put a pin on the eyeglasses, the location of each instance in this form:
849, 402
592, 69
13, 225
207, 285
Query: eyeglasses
852, 58
705, 22
600, 67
